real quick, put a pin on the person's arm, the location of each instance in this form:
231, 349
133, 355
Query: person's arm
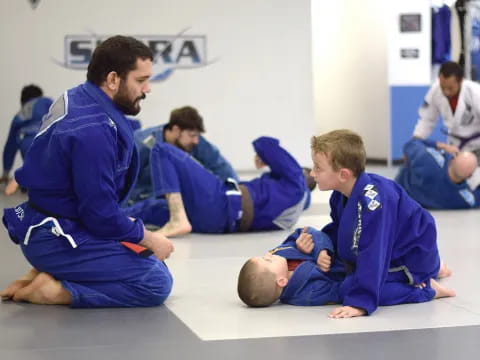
373, 260
94, 168
10, 150
428, 114
281, 163
211, 158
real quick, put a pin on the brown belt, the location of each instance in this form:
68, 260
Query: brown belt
247, 209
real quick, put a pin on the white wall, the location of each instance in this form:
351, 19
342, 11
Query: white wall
261, 83
350, 70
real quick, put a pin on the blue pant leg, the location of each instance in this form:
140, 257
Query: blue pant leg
203, 194
99, 273
394, 293
151, 211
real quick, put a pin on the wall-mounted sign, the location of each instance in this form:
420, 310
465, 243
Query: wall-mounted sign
410, 23
411, 53
171, 52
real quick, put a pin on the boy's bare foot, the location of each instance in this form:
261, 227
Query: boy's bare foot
444, 271
44, 289
11, 289
441, 291
175, 228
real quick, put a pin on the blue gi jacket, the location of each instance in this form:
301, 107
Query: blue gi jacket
308, 285
23, 129
425, 178
280, 195
82, 165
381, 234
206, 153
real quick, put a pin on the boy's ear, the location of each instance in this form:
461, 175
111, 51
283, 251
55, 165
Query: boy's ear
282, 281
345, 174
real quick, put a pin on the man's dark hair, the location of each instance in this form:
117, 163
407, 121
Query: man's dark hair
30, 92
452, 68
119, 54
186, 118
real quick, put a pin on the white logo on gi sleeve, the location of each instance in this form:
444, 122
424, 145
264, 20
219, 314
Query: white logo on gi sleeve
20, 212
373, 205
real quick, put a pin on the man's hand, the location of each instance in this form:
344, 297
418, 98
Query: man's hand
451, 149
161, 246
346, 312
324, 260
304, 242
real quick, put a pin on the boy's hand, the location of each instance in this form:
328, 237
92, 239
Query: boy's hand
346, 312
324, 260
304, 242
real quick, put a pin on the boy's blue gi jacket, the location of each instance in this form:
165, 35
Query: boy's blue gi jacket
308, 285
23, 129
381, 234
425, 178
81, 166
206, 153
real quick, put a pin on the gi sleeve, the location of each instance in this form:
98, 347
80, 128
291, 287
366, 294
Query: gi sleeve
281, 163
373, 259
11, 146
428, 114
211, 158
320, 239
94, 169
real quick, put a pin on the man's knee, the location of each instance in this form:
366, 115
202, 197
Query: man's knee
156, 286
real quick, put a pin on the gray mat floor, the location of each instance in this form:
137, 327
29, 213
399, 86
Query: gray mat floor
203, 319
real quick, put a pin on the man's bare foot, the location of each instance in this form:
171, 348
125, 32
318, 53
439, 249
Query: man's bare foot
441, 291
44, 289
11, 289
444, 271
175, 229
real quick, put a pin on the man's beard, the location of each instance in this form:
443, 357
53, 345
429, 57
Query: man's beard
183, 147
125, 104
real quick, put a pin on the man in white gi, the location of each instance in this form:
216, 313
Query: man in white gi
457, 100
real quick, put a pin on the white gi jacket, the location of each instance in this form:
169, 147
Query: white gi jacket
462, 125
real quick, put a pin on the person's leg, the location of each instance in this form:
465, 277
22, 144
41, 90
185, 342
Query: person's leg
98, 273
441, 291
394, 293
196, 198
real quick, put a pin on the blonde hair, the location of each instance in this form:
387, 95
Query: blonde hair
257, 287
344, 149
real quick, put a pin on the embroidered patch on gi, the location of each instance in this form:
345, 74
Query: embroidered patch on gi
437, 156
371, 193
20, 212
373, 205
149, 141
467, 196
358, 230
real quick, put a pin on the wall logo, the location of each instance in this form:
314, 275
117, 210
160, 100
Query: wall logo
171, 52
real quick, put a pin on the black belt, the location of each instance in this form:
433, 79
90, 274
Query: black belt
48, 213
247, 209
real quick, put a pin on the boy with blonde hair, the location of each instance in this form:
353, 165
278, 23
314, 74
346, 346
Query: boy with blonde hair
386, 240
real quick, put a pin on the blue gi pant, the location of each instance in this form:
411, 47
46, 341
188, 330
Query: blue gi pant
99, 273
207, 200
